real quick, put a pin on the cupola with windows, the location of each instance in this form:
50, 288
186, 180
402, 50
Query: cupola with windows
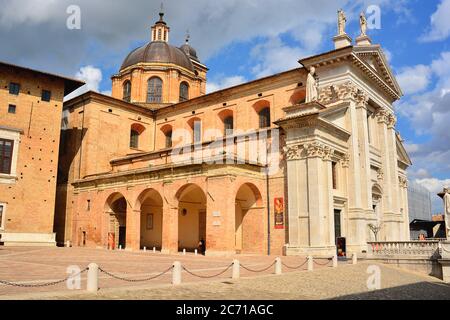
158, 73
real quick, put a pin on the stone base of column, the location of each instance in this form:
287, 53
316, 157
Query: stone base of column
322, 251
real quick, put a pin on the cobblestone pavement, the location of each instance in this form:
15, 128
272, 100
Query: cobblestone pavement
345, 282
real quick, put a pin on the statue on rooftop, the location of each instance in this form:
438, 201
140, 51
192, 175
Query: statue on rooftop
311, 86
363, 24
341, 22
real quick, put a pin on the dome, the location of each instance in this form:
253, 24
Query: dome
190, 52
159, 51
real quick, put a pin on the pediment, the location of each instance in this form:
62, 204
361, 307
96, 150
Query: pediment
375, 59
401, 151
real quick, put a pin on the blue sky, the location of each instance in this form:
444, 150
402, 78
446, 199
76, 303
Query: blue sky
240, 40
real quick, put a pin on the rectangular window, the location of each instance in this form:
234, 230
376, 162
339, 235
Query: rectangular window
14, 88
11, 108
88, 205
2, 215
337, 223
334, 173
6, 151
46, 95
197, 131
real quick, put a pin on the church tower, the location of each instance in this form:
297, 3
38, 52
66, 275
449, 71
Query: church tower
159, 74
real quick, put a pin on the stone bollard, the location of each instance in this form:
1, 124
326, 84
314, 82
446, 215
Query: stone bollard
120, 247
92, 278
310, 263
68, 244
145, 249
184, 252
176, 273
278, 266
335, 261
195, 252
236, 269
154, 249
354, 258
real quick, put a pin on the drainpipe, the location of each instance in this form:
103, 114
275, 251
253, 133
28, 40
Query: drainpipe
81, 139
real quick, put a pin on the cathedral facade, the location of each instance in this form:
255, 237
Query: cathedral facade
295, 163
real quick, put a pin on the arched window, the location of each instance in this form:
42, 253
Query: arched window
264, 118
184, 91
127, 91
134, 139
154, 91
196, 127
168, 135
228, 125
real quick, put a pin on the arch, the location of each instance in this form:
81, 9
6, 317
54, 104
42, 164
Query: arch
191, 216
116, 209
262, 108
227, 118
167, 132
249, 220
154, 90
299, 96
126, 96
184, 91
150, 204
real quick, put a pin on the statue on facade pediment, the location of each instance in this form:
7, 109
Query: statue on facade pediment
363, 24
312, 91
342, 19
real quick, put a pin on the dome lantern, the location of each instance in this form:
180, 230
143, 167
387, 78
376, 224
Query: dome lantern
160, 30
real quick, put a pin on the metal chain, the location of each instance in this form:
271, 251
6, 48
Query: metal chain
321, 264
207, 277
135, 280
298, 267
262, 270
47, 284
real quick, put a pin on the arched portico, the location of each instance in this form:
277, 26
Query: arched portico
249, 220
116, 209
191, 216
150, 204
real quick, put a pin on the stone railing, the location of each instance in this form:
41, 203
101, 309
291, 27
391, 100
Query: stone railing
425, 249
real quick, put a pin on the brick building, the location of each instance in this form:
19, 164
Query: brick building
31, 105
282, 164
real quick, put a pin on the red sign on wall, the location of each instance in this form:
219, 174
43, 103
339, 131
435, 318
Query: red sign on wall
279, 213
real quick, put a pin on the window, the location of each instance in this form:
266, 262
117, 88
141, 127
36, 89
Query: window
264, 118
159, 34
228, 125
6, 151
337, 223
11, 108
14, 88
127, 91
168, 135
134, 139
369, 114
46, 95
154, 91
2, 214
184, 91
334, 173
197, 131
88, 208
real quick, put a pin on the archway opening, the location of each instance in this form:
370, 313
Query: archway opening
191, 217
151, 206
116, 208
249, 220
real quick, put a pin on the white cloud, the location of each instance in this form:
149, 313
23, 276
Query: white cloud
274, 56
92, 76
224, 83
439, 23
414, 79
434, 185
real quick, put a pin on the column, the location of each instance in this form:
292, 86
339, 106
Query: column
133, 229
170, 229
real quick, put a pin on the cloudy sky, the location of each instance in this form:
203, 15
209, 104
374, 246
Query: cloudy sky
241, 40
